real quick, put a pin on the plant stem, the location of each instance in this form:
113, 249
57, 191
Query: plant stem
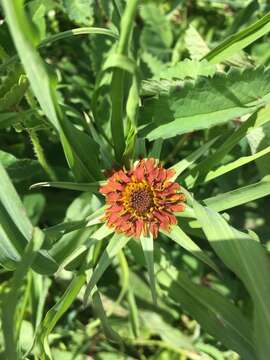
40, 155
117, 84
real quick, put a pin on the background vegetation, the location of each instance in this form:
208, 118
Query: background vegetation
87, 86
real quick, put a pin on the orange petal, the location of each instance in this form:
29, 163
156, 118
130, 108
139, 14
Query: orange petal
139, 227
139, 172
177, 207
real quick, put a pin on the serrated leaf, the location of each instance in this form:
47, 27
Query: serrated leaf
156, 36
13, 118
153, 63
186, 69
12, 88
195, 44
206, 103
19, 169
80, 11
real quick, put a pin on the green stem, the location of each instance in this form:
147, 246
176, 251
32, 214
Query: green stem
40, 155
117, 84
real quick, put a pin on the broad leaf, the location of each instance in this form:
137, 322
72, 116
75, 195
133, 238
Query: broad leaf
205, 103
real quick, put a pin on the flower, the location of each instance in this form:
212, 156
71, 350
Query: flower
142, 200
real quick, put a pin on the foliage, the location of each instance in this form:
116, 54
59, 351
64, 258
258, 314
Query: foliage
87, 87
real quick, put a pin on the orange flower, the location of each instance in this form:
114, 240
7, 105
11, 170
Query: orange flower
142, 200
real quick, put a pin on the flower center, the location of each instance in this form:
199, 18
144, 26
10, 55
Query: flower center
138, 198
141, 200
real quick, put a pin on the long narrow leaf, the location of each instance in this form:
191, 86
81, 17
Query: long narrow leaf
240, 196
191, 180
148, 250
248, 260
115, 245
12, 352
16, 229
190, 159
91, 187
215, 313
182, 239
239, 41
56, 312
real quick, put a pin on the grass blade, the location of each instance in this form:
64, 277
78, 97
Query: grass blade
56, 312
147, 243
191, 180
239, 196
16, 229
216, 314
239, 41
100, 312
10, 301
182, 239
91, 187
115, 245
248, 260
190, 159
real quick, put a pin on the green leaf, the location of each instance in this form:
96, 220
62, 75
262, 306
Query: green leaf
116, 243
182, 239
239, 41
157, 35
16, 229
80, 11
239, 196
195, 44
190, 159
206, 103
100, 312
78, 31
90, 187
223, 169
216, 314
254, 122
19, 169
249, 261
148, 250
77, 145
12, 118
56, 312
187, 69
11, 298
119, 60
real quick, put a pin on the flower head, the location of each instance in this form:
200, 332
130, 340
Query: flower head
143, 199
